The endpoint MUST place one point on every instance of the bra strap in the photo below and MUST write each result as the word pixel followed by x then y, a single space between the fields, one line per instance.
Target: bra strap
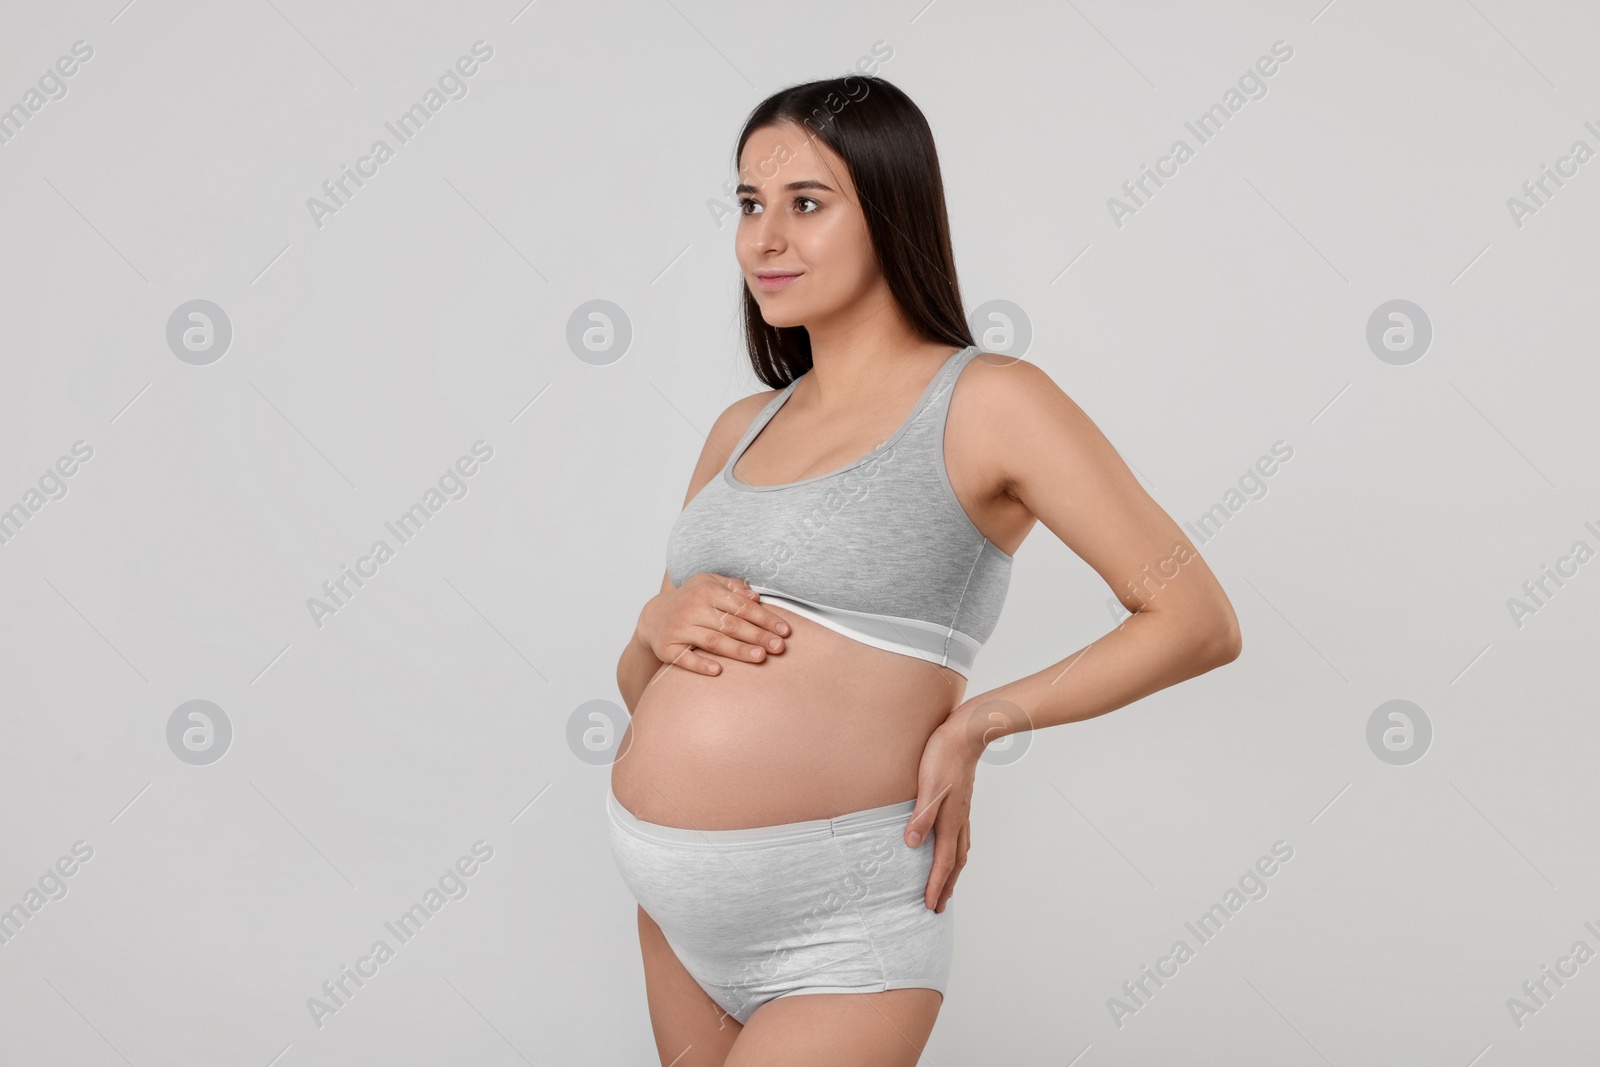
pixel 938 403
pixel 759 423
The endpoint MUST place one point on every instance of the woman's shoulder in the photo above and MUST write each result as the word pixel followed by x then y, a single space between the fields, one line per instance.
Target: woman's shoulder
pixel 723 438
pixel 1005 407
pixel 738 416
pixel 999 383
pixel 729 427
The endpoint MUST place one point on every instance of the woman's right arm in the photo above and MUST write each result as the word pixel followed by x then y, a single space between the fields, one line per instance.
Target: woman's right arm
pixel 638 664
pixel 707 616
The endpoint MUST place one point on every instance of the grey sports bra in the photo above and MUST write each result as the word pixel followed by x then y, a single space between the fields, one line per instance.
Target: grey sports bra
pixel 879 550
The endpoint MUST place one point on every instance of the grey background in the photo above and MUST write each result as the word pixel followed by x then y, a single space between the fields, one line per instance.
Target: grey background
pixel 432 711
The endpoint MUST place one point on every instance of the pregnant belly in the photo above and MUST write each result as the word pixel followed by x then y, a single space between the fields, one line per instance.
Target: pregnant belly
pixel 828 726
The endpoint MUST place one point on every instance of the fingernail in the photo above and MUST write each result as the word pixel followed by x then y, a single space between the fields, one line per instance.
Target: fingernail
pixel 774 643
pixel 915 839
pixel 783 628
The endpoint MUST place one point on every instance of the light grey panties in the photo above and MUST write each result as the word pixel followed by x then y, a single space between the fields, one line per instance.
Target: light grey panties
pixel 821 906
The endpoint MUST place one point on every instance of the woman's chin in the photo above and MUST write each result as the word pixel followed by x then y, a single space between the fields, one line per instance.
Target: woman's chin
pixel 780 313
pixel 782 322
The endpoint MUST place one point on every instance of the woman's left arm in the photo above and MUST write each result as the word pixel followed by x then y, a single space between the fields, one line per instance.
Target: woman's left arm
pixel 1052 458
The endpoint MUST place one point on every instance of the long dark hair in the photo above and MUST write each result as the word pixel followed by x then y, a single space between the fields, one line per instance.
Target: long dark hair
pixel 885 141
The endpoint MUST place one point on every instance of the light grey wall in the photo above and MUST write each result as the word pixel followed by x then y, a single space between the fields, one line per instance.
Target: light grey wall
pixel 365 753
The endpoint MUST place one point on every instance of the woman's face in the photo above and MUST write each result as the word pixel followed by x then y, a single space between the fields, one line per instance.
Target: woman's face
pixel 801 221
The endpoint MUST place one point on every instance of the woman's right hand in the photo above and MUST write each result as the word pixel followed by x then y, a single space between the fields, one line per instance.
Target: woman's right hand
pixel 710 613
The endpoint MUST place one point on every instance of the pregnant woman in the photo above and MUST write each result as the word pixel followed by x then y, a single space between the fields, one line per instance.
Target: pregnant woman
pixel 790 802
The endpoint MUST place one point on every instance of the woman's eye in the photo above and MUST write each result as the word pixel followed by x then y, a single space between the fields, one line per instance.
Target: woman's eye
pixel 748 206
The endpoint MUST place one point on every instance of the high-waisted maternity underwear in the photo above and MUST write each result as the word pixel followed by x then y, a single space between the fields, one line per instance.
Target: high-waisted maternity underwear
pixel 820 906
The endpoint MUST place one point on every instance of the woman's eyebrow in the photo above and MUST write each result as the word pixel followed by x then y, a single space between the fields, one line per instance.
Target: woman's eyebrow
pixel 807 183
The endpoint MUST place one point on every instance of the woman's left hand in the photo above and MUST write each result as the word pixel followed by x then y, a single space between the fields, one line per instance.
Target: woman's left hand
pixel 944 802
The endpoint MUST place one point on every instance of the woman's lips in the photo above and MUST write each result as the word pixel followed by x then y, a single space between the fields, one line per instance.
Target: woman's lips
pixel 773 282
